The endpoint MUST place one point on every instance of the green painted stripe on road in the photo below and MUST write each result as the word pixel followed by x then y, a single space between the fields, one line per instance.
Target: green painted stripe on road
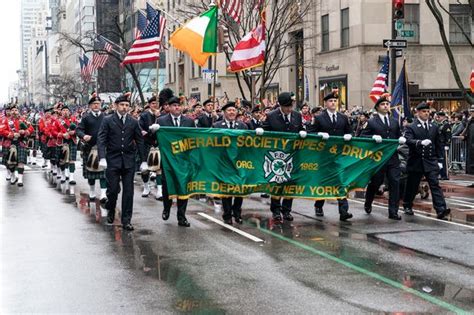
pixel 369 273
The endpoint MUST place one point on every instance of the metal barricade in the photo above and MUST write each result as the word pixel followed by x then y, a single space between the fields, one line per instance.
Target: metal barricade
pixel 457 154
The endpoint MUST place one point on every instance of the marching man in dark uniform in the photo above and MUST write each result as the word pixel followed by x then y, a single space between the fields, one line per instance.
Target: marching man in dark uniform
pixel 88 131
pixel 176 119
pixel 209 116
pixel 147 118
pixel 382 126
pixel 119 139
pixel 445 135
pixel 255 121
pixel 424 158
pixel 330 122
pixel 232 208
pixel 283 119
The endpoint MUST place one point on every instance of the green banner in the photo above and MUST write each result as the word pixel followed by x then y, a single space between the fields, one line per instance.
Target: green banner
pixel 224 162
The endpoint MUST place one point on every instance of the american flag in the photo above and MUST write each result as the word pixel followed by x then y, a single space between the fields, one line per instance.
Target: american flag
pixel 141 24
pixel 86 68
pixel 102 45
pixel 380 85
pixel 472 81
pixel 147 47
pixel 233 8
pixel 150 12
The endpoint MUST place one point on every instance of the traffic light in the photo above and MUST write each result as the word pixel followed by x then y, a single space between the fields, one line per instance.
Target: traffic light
pixel 223 38
pixel 398 9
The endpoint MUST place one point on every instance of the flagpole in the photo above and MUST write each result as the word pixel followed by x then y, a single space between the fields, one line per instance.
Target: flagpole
pixel 214 57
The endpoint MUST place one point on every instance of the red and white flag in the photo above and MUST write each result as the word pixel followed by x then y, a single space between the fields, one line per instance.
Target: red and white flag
pixel 250 51
pixel 472 81
pixel 233 8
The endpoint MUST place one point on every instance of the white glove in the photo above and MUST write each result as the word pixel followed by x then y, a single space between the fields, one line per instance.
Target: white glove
pixel 377 138
pixel 303 134
pixel 446 148
pixel 103 163
pixel 259 131
pixel 144 166
pixel 425 142
pixel 402 140
pixel 325 135
pixel 347 137
pixel 154 127
pixel 440 165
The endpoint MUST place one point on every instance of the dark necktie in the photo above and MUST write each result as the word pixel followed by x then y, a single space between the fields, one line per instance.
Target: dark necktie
pixel 285 117
pixel 333 119
pixel 231 125
pixel 426 126
pixel 176 124
pixel 385 119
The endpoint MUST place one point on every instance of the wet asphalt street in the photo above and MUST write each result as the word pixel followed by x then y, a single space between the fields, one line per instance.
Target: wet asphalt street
pixel 58 256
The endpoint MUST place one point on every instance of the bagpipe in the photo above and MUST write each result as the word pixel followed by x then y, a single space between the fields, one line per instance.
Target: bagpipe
pixel 12 155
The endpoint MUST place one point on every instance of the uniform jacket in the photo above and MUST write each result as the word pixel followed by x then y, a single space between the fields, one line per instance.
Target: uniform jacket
pixel 90 125
pixel 204 121
pixel 145 120
pixel 376 126
pixel 252 124
pixel 445 133
pixel 323 123
pixel 63 125
pixel 223 124
pixel 167 121
pixel 423 158
pixel 119 142
pixel 276 122
pixel 11 126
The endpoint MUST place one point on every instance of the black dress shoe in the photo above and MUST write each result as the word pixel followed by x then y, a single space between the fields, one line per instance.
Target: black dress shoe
pixel 91 198
pixel 277 218
pixel 345 216
pixel 441 215
pixel 166 214
pixel 103 200
pixel 394 217
pixel 287 216
pixel 110 217
pixel 20 184
pixel 184 223
pixel 228 221
pixel 72 182
pixel 368 209
pixel 128 227
pixel 408 211
pixel 238 220
pixel 319 212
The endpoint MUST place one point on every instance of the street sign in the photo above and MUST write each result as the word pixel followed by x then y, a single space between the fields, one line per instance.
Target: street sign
pixel 395 43
pixel 398 53
pixel 208 75
pixel 399 25
pixel 407 33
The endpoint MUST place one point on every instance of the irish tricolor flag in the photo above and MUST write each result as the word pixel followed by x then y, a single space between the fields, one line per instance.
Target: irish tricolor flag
pixel 198 37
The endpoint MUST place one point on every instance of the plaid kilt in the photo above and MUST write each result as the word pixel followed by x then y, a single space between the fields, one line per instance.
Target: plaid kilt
pixel 86 173
pixel 72 152
pixel 50 153
pixel 22 154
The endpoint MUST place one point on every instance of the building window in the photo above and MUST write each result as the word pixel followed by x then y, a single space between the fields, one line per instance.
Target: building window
pixel 345 27
pixel 411 25
pixel 174 71
pixel 325 32
pixel 193 74
pixel 460 13
pixel 169 73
